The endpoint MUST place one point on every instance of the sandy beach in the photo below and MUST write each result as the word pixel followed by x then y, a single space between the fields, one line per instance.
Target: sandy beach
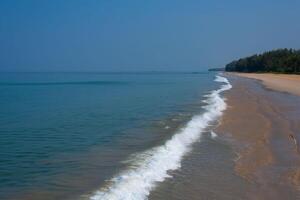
pixel 263 126
pixel 281 82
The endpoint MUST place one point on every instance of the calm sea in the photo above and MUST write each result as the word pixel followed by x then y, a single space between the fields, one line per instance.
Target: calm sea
pixel 99 135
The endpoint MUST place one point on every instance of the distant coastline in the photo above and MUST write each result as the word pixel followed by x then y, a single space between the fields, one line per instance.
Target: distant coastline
pixel 275 61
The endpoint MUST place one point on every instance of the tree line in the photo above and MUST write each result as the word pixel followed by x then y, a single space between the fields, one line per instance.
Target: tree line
pixel 278 61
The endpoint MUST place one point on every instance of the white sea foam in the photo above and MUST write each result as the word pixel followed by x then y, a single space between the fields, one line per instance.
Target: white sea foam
pixel 152 166
pixel 213 134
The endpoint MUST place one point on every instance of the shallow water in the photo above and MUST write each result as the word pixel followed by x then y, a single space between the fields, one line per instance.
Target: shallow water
pixel 206 173
pixel 65 135
pixel 153 166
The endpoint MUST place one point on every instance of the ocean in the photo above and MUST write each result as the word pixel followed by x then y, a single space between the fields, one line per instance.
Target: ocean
pixel 110 135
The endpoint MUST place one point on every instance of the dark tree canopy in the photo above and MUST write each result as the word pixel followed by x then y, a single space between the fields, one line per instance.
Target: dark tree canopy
pixel 279 61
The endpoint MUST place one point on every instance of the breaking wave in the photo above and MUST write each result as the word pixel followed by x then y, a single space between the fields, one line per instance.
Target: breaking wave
pixel 152 166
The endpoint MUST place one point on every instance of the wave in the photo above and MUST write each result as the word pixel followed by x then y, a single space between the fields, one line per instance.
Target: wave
pixel 63 83
pixel 213 134
pixel 152 166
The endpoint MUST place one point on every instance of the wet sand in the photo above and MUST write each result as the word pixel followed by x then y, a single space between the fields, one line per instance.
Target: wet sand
pixel 263 127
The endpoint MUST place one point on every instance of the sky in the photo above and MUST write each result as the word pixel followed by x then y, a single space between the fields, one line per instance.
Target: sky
pixel 141 35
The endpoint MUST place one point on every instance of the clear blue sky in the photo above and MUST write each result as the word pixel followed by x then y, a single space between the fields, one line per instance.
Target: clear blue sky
pixel 141 35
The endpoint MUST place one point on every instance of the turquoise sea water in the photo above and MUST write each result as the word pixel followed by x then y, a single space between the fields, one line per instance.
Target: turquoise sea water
pixel 63 135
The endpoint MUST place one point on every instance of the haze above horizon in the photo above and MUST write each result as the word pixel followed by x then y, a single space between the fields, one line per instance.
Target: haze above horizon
pixel 115 35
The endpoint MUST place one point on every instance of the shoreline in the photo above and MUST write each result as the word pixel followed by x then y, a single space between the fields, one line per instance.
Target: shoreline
pixel 154 165
pixel 261 125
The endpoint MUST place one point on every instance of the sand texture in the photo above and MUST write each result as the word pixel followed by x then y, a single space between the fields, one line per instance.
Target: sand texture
pixel 281 82
pixel 263 126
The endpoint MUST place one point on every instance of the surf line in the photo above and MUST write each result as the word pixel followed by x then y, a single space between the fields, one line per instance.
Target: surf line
pixel 152 166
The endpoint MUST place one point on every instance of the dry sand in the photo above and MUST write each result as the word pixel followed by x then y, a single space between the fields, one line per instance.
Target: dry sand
pixel 280 82
pixel 263 126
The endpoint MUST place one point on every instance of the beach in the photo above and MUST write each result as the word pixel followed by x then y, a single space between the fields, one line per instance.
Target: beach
pixel 149 100
pixel 280 82
pixel 177 136
pixel 262 124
